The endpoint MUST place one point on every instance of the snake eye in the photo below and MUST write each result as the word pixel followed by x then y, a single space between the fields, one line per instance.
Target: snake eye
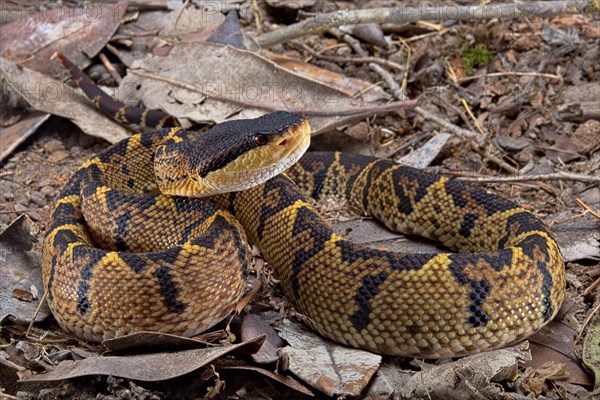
pixel 261 140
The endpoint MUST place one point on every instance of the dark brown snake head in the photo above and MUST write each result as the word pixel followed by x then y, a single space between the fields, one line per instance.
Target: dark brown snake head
pixel 232 156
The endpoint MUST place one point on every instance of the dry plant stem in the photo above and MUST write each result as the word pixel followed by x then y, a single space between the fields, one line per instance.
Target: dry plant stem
pixel 355 112
pixel 555 176
pixel 357 60
pixel 587 321
pixel 386 76
pixel 509 73
pixel 110 68
pixel 593 286
pixel 496 160
pixel 588 208
pixel 35 314
pixel 181 11
pixel 458 131
pixel 409 13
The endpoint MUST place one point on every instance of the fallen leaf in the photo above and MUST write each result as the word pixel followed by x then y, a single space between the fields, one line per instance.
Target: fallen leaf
pixel 143 367
pixel 12 136
pixel 230 83
pixel 228 364
pixel 328 367
pixel 474 376
pixel 253 326
pixel 534 379
pixel 77 32
pixel 56 98
pixel 350 86
pixel 20 271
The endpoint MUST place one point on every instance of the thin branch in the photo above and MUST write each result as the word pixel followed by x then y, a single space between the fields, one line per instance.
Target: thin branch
pixel 509 73
pixel 458 131
pixel 413 13
pixel 355 60
pixel 555 176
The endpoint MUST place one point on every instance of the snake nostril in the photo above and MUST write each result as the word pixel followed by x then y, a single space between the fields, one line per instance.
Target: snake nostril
pixel 283 142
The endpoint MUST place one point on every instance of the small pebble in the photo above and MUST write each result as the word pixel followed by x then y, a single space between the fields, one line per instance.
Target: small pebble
pixel 37 198
pixel 58 155
pixel 47 191
pixel 54 145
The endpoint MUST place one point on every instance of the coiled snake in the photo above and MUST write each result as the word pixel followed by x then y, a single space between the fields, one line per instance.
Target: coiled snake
pixel 119 256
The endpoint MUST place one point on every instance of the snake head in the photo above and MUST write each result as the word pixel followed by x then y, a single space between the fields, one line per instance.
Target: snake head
pixel 232 156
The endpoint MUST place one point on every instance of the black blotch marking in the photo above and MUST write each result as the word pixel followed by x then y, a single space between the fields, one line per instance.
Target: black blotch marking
pixel 169 290
pixel 524 222
pixel 130 183
pixel 480 291
pixel 125 169
pixel 374 172
pixel 532 247
pixel 412 177
pixel 63 238
pixel 468 224
pixel 134 261
pixel 317 164
pixel 351 253
pixel 83 304
pixel 119 149
pixel 369 289
pixel 457 191
pixel 306 220
pixel 158 118
pixel 92 181
pixel 73 186
pixel 65 214
pixel 92 257
pixel 209 240
pixel 492 203
pixel 288 194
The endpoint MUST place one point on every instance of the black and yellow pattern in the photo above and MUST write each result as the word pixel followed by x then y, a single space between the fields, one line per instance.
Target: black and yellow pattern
pixel 178 265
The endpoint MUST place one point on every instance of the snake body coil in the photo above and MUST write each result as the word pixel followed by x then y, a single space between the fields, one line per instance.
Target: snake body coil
pixel 178 265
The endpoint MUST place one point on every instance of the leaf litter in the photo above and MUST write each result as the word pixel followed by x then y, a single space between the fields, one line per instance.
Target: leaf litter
pixel 514 115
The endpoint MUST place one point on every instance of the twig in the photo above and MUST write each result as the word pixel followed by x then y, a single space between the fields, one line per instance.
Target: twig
pixel 410 13
pixel 588 208
pixel 586 321
pixel 508 73
pixel 110 68
pixel 458 131
pixel 355 112
pixel 593 286
pixel 183 7
pixel 555 176
pixel 355 60
pixel 35 314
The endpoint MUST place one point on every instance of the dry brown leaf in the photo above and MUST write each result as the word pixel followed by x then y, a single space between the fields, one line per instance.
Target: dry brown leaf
pixel 20 271
pixel 288 381
pixel 144 367
pixel 534 379
pixel 327 366
pixel 56 98
pixel 79 33
pixel 12 136
pixel 351 86
pixel 253 326
pixel 251 84
pixel 473 376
